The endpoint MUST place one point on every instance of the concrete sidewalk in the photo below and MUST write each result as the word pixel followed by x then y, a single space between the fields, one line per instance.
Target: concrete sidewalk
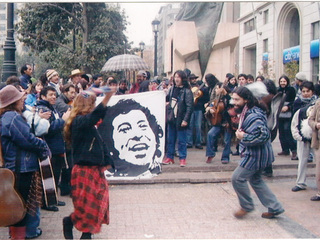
pixel 198 171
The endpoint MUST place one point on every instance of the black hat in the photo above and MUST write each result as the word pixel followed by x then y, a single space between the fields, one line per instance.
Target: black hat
pixel 192 76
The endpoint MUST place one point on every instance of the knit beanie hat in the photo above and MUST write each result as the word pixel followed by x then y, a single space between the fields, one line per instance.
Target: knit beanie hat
pixel 50 73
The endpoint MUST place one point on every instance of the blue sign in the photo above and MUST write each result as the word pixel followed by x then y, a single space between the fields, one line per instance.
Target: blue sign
pixel 265 56
pixel 314 49
pixel 291 54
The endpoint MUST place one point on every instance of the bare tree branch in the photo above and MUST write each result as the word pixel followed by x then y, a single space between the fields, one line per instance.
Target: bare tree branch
pixel 64 10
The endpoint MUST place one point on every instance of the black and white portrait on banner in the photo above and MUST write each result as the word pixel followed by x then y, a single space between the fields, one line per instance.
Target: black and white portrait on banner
pixel 133 130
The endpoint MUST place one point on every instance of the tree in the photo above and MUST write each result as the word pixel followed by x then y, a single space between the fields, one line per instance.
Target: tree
pixel 73 35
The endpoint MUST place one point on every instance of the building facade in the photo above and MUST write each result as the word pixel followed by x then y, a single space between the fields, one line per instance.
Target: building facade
pixel 258 38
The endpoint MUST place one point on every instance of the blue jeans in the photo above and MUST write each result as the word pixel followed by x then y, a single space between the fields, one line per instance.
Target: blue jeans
pixel 240 178
pixel 195 127
pixel 212 139
pixel 32 224
pixel 173 135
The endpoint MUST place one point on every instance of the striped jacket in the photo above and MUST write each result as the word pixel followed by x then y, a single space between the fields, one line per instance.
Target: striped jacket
pixel 255 147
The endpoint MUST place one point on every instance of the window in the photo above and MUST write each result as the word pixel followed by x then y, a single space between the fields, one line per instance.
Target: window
pixel 266 16
pixel 2 17
pixel 315 30
pixel 250 25
pixel 315 70
pixel 2 27
pixel 265 45
pixel 2 6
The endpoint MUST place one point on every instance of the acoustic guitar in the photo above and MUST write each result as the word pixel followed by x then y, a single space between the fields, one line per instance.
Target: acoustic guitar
pixel 215 118
pixel 48 183
pixel 12 206
pixel 197 93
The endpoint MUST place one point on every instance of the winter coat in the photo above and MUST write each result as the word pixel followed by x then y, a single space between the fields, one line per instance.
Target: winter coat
pixel 88 148
pixel 15 134
pixel 62 104
pixel 313 120
pixel 25 80
pixel 184 106
pixel 255 147
pixel 54 137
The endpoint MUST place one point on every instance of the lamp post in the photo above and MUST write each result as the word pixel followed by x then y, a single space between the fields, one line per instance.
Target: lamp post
pixel 141 44
pixel 155 28
pixel 9 48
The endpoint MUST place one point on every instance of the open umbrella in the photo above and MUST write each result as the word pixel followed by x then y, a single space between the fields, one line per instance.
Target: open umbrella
pixel 124 62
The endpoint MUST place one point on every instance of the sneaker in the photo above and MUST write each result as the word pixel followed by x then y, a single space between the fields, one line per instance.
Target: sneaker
pixel 60 203
pixel 224 161
pixel 168 161
pixel 209 160
pixel 183 163
pixel 270 215
pixel 240 213
pixel 297 189
pixel 294 156
pixel 189 146
pixel 199 147
pixel 315 198
pixel 284 153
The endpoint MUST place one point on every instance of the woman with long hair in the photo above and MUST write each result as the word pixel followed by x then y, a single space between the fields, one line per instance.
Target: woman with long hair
pixel 286 140
pixel 181 99
pixel 21 151
pixel 90 194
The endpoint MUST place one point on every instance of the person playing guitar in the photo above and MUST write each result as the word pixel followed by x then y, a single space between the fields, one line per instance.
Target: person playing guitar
pixel 200 97
pixel 217 114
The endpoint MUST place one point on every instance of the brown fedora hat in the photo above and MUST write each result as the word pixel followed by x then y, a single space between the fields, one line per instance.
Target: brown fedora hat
pixel 76 72
pixel 8 95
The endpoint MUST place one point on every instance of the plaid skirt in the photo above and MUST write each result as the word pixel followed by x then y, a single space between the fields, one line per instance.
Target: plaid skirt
pixel 90 196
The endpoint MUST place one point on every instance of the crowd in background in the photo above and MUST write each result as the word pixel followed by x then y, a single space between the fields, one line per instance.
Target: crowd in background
pixel 203 115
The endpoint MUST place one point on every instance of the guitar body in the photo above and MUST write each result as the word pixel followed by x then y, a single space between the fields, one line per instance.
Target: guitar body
pixel 215 118
pixel 197 93
pixel 12 207
pixel 49 186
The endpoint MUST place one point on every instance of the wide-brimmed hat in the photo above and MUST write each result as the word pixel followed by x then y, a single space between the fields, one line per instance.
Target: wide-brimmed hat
pixel 9 94
pixel 76 72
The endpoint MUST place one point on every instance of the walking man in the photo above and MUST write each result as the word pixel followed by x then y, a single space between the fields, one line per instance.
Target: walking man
pixel 256 154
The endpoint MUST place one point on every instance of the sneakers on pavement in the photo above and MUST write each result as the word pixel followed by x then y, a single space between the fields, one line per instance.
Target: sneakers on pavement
pixel 297 189
pixel 183 162
pixel 315 198
pixel 168 161
pixel 209 160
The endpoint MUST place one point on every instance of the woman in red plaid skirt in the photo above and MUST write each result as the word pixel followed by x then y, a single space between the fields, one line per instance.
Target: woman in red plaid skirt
pixel 90 194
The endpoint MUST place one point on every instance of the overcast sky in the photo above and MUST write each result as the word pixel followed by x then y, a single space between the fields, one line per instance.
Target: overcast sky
pixel 140 15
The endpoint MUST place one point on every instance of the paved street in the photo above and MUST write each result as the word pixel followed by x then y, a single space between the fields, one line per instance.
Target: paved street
pixel 194 211
pixel 197 211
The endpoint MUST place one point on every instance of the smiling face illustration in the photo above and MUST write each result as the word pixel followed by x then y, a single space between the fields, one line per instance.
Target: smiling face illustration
pixel 134 138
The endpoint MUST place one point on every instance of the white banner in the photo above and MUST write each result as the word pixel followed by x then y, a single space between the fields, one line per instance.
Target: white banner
pixel 134 132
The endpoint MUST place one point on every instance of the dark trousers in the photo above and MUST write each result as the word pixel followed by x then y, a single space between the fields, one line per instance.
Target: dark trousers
pixel 286 140
pixel 57 162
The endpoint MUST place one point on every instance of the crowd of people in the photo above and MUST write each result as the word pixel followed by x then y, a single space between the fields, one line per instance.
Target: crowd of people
pixel 56 118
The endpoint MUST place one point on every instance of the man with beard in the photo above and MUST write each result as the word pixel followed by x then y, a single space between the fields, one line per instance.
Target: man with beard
pixel 256 154
pixel 141 77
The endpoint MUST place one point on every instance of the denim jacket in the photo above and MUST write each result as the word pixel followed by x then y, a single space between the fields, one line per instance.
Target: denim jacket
pixel 15 134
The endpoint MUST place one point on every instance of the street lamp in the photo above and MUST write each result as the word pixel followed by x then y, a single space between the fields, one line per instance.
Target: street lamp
pixel 155 28
pixel 141 44
pixel 9 48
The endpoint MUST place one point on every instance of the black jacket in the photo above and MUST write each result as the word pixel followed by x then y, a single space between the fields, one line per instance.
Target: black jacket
pixel 54 137
pixel 185 106
pixel 88 148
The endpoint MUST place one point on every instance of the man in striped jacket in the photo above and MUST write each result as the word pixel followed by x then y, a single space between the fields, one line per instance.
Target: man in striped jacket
pixel 256 154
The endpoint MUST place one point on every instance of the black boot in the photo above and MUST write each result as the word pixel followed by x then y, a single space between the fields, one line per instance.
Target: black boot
pixel 86 235
pixel 67 228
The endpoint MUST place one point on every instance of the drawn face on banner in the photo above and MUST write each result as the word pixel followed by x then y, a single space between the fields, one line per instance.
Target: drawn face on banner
pixel 133 137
